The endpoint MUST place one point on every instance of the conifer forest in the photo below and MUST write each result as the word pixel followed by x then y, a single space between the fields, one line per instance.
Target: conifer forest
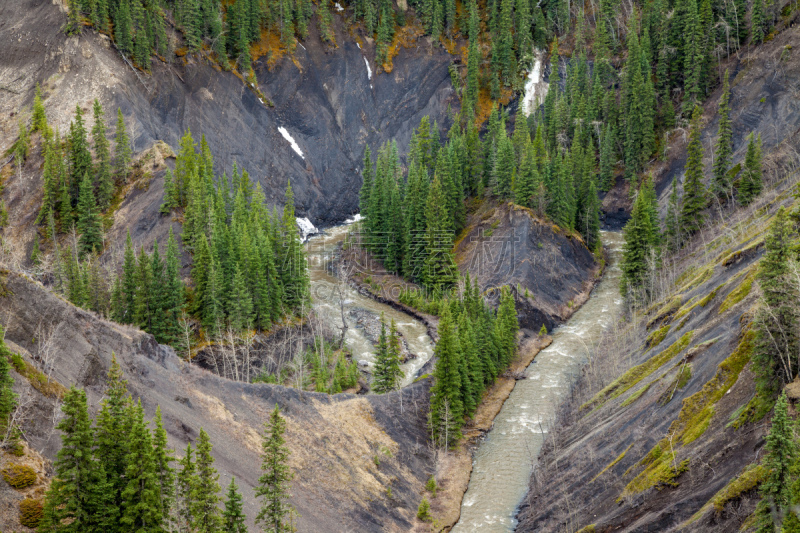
pixel 399 265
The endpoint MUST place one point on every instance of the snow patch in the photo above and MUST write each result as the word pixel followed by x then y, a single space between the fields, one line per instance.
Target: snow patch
pixel 369 70
pixel 353 219
pixel 359 46
pixel 306 228
pixel 338 6
pixel 535 88
pixel 291 140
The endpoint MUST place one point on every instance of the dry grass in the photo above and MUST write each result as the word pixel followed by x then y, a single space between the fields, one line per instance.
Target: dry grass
pixel 405 37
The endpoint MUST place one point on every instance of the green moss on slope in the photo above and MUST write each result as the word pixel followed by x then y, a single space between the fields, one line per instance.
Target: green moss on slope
pixel 639 372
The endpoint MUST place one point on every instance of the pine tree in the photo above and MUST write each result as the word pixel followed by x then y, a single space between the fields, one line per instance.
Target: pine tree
pixel 722 153
pixel 233 518
pixel 694 195
pixel 757 21
pixel 294 275
pixel 8 399
pixel 240 305
pixel 105 182
pixel 205 514
pixel 184 490
pixel 111 451
pixel 636 253
pixel 387 374
pixel 504 166
pixel 165 474
pixel 750 184
pixel 90 224
pixel 273 485
pixel 122 147
pixel 79 494
pixel 79 157
pixel 779 463
pixel 39 116
pixel 777 342
pixel 446 401
pixel 123 28
pixel 440 268
pixel 141 509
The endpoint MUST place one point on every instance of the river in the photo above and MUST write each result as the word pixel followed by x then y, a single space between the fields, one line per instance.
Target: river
pixel 503 462
pixel 328 293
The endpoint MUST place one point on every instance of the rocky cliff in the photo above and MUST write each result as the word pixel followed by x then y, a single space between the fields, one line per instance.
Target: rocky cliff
pixel 329 99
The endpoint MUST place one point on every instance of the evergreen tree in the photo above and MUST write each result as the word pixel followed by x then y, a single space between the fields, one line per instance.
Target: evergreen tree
pixel 165 474
pixel 79 157
pixel 123 28
pixel 186 480
pixel 105 182
pixel 777 321
pixel 721 182
pixel 122 147
pixel 79 493
pixel 694 195
pixel 779 463
pixel 141 509
pixel 39 116
pixel 440 268
pixel 112 421
pixel 273 485
pixel 204 512
pixel 387 374
pixel 750 184
pixel 90 224
pixel 446 401
pixel 233 518
pixel 636 253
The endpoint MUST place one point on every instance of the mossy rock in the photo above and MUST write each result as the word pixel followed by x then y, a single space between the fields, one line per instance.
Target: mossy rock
pixel 19 476
pixel 739 293
pixel 747 481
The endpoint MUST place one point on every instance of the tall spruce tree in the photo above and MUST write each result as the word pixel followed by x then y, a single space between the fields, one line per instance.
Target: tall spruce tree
pixel 90 225
pixel 273 485
pixel 79 494
pixel 779 464
pixel 721 185
pixel 205 513
pixel 694 194
pixel 446 402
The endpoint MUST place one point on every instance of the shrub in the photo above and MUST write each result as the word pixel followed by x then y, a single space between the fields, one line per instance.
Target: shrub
pixel 424 510
pixel 431 486
pixel 30 512
pixel 19 476
pixel 543 331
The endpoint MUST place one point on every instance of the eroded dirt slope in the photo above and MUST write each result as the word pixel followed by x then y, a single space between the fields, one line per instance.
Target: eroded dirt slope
pixel 335 440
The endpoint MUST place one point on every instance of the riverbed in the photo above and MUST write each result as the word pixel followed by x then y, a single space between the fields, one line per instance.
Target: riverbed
pixel 504 460
pixel 333 297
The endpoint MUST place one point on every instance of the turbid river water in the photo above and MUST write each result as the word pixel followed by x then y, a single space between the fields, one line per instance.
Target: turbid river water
pixel 329 293
pixel 503 462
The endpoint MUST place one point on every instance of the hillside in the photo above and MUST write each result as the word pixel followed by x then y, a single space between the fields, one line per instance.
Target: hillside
pixel 323 97
pixel 334 440
pixel 656 436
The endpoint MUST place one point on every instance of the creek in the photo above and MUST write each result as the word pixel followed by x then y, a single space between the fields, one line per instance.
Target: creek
pixel 504 460
pixel 332 298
